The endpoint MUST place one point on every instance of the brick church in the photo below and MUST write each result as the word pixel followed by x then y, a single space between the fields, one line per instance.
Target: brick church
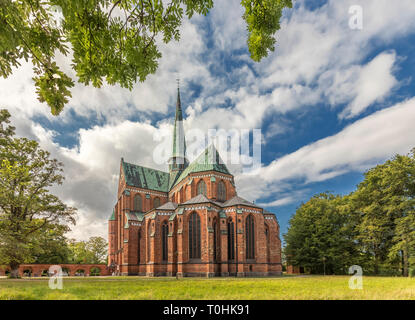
pixel 189 221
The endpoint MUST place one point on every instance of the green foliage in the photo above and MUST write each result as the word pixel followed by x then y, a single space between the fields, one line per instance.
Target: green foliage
pixel 53 247
pixel 386 199
pixel 110 40
pixel 412 272
pixel 319 236
pixel 263 21
pixel 29 213
pixel 92 251
pixel 98 247
pixel 378 223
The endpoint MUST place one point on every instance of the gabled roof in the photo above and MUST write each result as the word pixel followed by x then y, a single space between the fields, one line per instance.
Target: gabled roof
pixel 208 160
pixel 173 178
pixel 200 198
pixel 134 216
pixel 168 206
pixel 239 201
pixel 145 178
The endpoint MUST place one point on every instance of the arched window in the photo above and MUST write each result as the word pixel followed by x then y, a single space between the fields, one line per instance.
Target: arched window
pixel 201 188
pixel 221 191
pixel 156 202
pixel 164 243
pixel 215 236
pixel 149 242
pixel 268 244
pixel 138 203
pixel 249 236
pixel 194 236
pixel 188 193
pixel 138 247
pixel 231 240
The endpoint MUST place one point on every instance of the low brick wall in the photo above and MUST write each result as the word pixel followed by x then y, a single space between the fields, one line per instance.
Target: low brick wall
pixel 36 270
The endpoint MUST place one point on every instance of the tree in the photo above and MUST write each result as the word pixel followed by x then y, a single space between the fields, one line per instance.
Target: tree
pixel 79 252
pixel 400 203
pixel 27 209
pixel 319 236
pixel 386 199
pixel 373 226
pixel 92 251
pixel 111 40
pixel 98 247
pixel 53 247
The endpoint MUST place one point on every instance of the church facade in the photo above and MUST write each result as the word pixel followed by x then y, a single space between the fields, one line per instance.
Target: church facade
pixel 189 221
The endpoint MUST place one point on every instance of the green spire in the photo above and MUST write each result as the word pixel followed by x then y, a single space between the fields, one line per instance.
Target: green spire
pixel 112 218
pixel 179 141
pixel 178 161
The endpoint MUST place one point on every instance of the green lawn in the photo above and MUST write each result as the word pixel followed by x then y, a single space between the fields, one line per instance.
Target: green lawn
pixel 309 287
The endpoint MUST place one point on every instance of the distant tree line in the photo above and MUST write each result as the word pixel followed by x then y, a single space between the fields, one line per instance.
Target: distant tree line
pixel 57 249
pixel 373 227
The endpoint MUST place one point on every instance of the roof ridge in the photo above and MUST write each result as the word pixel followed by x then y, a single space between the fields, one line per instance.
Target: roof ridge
pixel 166 206
pixel 242 201
pixel 144 177
pixel 145 167
pixel 198 161
pixel 204 198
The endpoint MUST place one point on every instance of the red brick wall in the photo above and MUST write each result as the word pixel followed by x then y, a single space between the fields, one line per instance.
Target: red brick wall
pixel 36 269
pixel 267 249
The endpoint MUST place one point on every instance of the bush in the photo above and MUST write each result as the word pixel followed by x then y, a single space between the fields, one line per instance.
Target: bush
pixel 412 272
pixel 389 272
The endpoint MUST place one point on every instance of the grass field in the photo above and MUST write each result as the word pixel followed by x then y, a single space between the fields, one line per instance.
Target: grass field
pixel 308 287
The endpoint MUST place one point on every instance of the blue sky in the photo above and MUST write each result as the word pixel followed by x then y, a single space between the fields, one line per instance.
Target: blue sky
pixel 331 102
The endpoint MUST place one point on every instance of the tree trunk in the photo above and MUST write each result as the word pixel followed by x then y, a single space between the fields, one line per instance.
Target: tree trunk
pixel 376 264
pixel 14 267
pixel 405 261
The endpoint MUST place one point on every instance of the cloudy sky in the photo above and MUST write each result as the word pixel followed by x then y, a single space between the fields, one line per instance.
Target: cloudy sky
pixel 331 102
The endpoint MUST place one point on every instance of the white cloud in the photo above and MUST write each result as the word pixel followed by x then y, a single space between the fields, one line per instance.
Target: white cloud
pixel 359 146
pixel 113 102
pixel 374 82
pixel 280 202
pixel 91 169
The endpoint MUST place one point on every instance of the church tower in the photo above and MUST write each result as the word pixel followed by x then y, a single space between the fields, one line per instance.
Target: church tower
pixel 178 161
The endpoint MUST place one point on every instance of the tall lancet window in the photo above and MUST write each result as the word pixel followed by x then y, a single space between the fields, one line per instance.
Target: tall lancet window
pixel 156 202
pixel 249 236
pixel 149 242
pixel 138 247
pixel 215 242
pixel 194 236
pixel 231 240
pixel 138 206
pixel 221 191
pixel 164 239
pixel 201 188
